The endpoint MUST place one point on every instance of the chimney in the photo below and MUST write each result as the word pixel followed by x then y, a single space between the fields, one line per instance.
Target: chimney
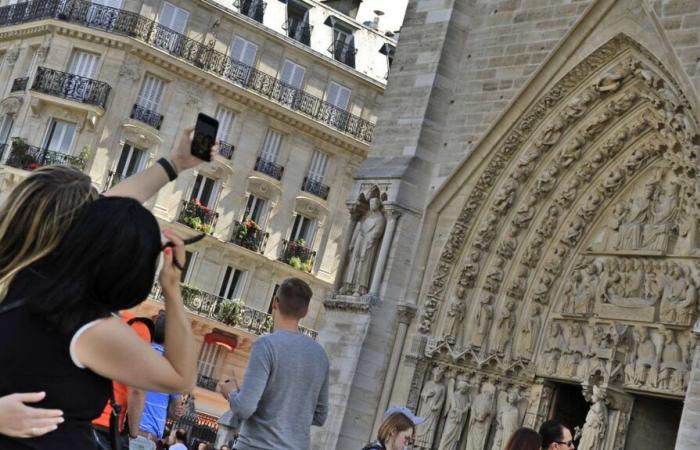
pixel 375 22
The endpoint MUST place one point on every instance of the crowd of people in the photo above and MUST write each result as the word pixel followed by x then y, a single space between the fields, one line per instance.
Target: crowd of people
pixel 72 261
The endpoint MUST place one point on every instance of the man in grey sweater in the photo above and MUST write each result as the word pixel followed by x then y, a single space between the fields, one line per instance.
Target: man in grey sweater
pixel 285 389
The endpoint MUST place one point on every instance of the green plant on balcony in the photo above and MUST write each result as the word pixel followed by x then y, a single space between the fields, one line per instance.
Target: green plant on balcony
pixel 248 233
pixel 196 216
pixel 297 255
pixel 231 312
pixel 190 297
pixel 267 325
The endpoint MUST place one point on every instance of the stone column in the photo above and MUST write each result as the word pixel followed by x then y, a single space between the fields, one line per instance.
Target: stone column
pixel 388 238
pixel 406 314
pixel 689 430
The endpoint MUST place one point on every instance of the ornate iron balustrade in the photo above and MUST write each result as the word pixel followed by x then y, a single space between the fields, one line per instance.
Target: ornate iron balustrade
pixel 298 30
pixel 343 52
pixel 19 84
pixel 150 118
pixel 28 157
pixel 71 87
pixel 315 187
pixel 226 149
pixel 249 235
pixel 297 255
pixel 198 426
pixel 313 334
pixel 206 382
pixel 197 216
pixel 269 168
pixel 255 9
pixel 203 56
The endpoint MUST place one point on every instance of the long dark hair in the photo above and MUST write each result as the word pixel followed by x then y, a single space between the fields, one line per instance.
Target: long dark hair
pixel 106 262
pixel 524 439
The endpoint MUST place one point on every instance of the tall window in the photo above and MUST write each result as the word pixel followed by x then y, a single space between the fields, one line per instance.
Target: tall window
pixel 292 74
pixel 190 257
pixel 303 228
pixel 319 164
pixel 243 50
pixel 60 136
pixel 298 22
pixel 338 95
pixel 255 9
pixel 5 128
pixel 274 292
pixel 256 208
pixel 130 161
pixel 271 146
pixel 83 64
pixel 343 46
pixel 225 117
pixel 151 93
pixel 208 359
pixel 232 283
pixel 205 190
pixel 173 17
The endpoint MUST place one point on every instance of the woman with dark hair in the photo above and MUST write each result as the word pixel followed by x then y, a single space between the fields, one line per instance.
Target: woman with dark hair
pixel 524 439
pixel 62 308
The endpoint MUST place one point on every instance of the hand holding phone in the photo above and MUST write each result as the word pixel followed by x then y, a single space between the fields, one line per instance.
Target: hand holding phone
pixel 204 137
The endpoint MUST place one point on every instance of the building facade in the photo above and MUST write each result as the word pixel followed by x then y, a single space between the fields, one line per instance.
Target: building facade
pixel 536 166
pixel 107 86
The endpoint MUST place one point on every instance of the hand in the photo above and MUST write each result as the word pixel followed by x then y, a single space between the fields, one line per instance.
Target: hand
pixel 173 260
pixel 182 156
pixel 20 420
pixel 228 386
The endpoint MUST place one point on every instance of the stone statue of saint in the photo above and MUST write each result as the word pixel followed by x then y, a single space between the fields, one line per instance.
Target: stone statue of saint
pixel 530 332
pixel 431 400
pixel 553 348
pixel 673 367
pixel 507 420
pixel 504 327
pixel 630 232
pixel 574 351
pixel 363 246
pixel 673 294
pixel 593 433
pixel 455 315
pixel 643 368
pixel 456 414
pixel 480 421
pixel 484 317
pixel 664 214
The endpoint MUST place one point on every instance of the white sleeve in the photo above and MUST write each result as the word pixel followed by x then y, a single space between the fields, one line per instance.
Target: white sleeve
pixel 74 339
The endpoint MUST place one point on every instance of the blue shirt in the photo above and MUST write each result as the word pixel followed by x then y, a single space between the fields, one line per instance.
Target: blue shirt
pixel 155 410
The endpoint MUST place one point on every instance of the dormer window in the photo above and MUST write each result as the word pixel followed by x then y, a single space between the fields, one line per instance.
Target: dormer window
pixel 297 24
pixel 255 9
pixel 343 46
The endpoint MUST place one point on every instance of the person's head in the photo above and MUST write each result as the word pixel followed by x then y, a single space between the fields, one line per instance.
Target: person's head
pixel 37 214
pixel 524 439
pixel 292 299
pixel 106 262
pixel 398 428
pixel 224 447
pixel 180 435
pixel 159 329
pixel 556 436
pixel 204 446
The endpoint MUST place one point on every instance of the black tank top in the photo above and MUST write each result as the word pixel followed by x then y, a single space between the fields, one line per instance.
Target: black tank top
pixel 33 359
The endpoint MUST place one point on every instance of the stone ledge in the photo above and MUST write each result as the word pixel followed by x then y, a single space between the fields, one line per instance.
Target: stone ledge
pixel 356 303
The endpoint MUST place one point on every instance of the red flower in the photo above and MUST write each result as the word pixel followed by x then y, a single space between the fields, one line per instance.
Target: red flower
pixel 34 165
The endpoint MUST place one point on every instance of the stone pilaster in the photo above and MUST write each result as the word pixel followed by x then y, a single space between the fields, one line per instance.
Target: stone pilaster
pixel 689 430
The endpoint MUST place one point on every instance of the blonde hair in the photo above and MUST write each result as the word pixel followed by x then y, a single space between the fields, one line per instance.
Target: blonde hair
pixel 394 423
pixel 37 214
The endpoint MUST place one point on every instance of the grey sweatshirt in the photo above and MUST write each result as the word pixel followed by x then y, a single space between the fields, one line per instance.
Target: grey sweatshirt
pixel 284 392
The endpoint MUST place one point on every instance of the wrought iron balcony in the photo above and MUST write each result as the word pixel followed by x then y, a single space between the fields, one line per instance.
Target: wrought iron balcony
pixel 298 30
pixel 269 168
pixel 249 235
pixel 150 118
pixel 343 52
pixel 19 84
pixel 71 87
pixel 197 216
pixel 226 149
pixel 28 157
pixel 203 56
pixel 255 9
pixel 206 382
pixel 315 187
pixel 297 255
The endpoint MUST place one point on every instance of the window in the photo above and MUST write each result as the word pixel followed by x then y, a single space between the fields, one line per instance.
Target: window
pixel 338 95
pixel 208 359
pixel 256 209
pixel 298 22
pixel 83 64
pixel 5 128
pixel 319 164
pixel 343 47
pixel 187 267
pixel 151 93
pixel 255 9
pixel 225 117
pixel 205 190
pixel 173 17
pixel 271 146
pixel 130 161
pixel 232 283
pixel 243 51
pixel 60 136
pixel 292 74
pixel 303 228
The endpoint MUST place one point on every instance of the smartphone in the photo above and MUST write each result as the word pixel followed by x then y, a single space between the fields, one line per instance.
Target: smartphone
pixel 204 136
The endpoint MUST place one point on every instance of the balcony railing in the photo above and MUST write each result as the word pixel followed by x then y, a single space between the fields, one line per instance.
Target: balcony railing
pixel 297 255
pixel 343 52
pixel 226 149
pixel 71 87
pixel 206 382
pixel 298 30
pixel 249 235
pixel 269 168
pixel 203 56
pixel 255 9
pixel 150 118
pixel 197 216
pixel 19 84
pixel 315 187
pixel 28 157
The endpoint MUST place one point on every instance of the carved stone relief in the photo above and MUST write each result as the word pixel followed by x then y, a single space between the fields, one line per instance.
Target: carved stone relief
pixel 432 398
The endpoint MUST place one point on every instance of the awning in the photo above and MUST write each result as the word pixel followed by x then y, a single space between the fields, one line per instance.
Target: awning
pixel 227 341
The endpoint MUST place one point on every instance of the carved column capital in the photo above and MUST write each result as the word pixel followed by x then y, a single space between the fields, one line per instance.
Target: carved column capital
pixel 406 312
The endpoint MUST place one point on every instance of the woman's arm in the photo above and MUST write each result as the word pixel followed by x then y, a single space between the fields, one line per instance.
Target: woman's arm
pixel 111 349
pixel 148 182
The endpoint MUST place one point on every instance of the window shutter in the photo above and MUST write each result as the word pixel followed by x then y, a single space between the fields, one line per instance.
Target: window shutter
pixel 243 51
pixel 83 64
pixel 317 169
pixel 225 118
pixel 271 146
pixel 292 74
pixel 151 93
pixel 338 95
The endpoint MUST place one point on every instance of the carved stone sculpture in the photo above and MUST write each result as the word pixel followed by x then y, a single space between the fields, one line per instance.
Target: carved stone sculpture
pixel 673 368
pixel 553 348
pixel 679 298
pixel 630 231
pixel 663 218
pixel 495 276
pixel 504 327
pixel 471 269
pixel 480 420
pixel 507 420
pixel 642 368
pixel 483 319
pixel 594 429
pixel 365 241
pixel 530 332
pixel 455 315
pixel 456 414
pixel 432 399
pixel 573 352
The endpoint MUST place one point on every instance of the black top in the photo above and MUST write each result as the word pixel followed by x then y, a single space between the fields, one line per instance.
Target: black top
pixel 34 359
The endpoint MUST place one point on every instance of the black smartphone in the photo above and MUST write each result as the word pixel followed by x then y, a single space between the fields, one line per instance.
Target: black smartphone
pixel 204 136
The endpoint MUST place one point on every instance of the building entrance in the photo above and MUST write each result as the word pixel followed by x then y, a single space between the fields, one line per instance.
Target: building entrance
pixel 653 424
pixel 569 406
